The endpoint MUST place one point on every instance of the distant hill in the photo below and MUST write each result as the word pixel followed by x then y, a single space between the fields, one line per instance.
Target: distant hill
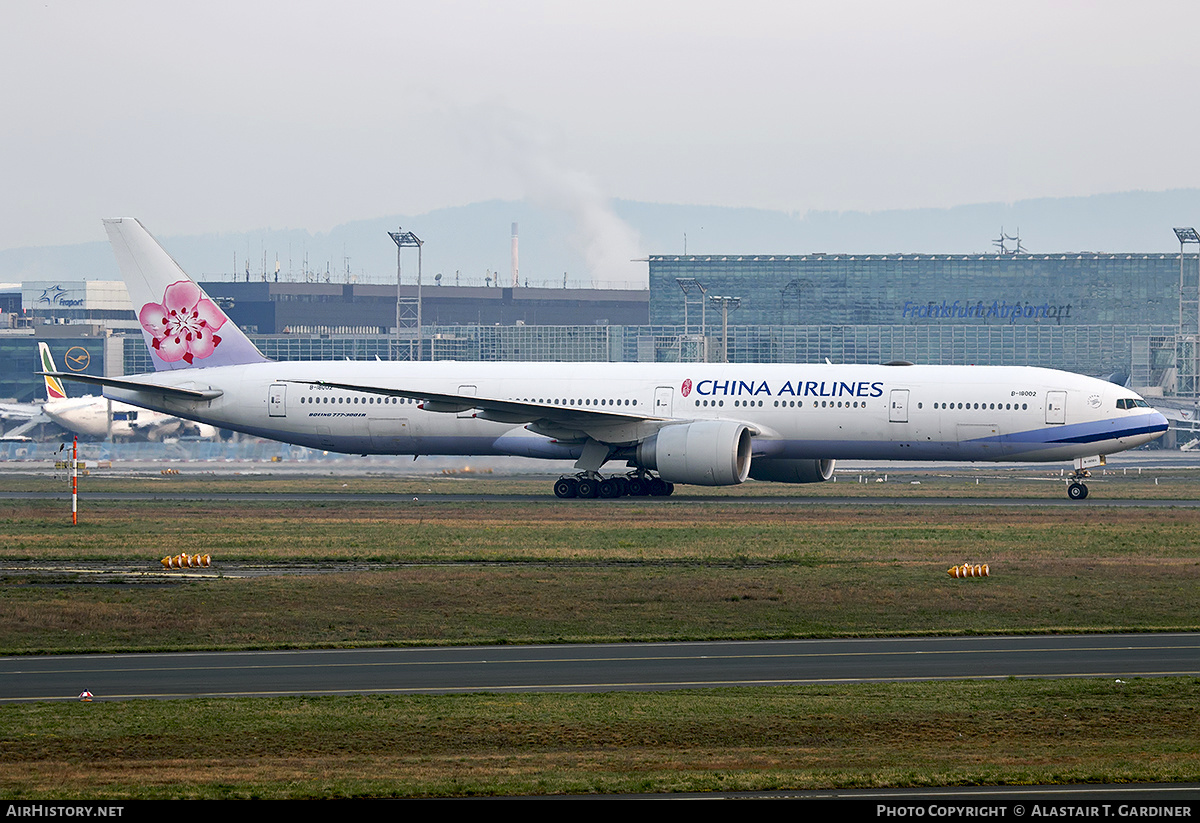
pixel 473 242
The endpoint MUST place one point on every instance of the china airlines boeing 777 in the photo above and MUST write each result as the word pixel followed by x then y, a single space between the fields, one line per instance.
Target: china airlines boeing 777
pixel 701 423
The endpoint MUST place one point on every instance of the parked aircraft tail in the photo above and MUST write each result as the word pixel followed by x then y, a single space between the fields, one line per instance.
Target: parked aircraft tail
pixel 54 387
pixel 182 326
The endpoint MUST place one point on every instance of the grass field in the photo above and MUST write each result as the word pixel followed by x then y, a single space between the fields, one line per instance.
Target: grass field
pixel 543 571
pixel 916 734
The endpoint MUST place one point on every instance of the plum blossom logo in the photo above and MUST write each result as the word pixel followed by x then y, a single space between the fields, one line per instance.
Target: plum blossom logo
pixel 184 325
pixel 686 388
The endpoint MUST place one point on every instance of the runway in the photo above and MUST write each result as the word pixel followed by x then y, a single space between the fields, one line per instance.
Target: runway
pixel 902 474
pixel 764 499
pixel 593 668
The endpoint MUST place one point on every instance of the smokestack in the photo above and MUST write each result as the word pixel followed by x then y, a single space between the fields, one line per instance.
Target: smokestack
pixel 514 256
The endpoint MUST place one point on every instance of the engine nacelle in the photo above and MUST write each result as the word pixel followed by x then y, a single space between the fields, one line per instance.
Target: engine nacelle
pixel 792 471
pixel 704 453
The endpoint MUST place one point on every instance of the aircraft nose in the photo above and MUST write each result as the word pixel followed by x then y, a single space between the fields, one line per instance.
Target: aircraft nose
pixel 1158 423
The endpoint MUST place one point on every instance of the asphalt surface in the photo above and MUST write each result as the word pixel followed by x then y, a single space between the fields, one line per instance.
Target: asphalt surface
pixel 1095 500
pixel 593 668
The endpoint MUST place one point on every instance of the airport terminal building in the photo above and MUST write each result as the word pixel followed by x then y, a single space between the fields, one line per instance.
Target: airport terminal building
pixel 1091 313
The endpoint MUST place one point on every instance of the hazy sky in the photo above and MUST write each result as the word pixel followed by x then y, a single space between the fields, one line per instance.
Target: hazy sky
pixel 221 116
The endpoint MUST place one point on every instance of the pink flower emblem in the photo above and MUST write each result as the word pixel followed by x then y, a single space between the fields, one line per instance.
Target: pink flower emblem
pixel 686 388
pixel 184 325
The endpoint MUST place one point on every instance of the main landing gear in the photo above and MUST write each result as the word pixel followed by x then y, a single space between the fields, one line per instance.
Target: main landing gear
pixel 590 484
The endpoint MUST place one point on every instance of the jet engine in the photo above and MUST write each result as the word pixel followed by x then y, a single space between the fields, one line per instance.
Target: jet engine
pixel 792 471
pixel 703 453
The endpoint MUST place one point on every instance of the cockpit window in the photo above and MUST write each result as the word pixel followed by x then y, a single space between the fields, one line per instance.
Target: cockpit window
pixel 1132 403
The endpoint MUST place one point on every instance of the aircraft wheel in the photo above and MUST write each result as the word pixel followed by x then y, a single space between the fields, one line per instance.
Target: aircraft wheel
pixel 658 487
pixel 588 487
pixel 1077 491
pixel 610 488
pixel 566 487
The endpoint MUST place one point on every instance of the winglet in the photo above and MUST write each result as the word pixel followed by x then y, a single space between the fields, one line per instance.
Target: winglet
pixel 183 327
pixel 54 387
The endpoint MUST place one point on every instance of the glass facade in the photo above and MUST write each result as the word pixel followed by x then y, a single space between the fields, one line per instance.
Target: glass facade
pixel 1095 350
pixel 1077 311
pixel 19 364
pixel 920 290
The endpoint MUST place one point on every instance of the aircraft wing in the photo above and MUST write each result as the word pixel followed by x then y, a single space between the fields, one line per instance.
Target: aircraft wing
pixel 19 411
pixel 562 423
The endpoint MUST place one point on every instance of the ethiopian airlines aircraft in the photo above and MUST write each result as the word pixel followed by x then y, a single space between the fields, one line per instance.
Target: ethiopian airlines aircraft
pixel 98 417
pixel 707 424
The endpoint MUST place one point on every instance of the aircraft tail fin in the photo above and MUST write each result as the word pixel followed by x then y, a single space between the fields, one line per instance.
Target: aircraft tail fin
pixel 182 326
pixel 54 386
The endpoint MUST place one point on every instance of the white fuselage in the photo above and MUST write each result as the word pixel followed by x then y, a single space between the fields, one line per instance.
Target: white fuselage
pixel 90 417
pixel 795 411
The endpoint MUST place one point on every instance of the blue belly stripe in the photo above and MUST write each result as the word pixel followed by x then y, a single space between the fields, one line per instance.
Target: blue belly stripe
pixel 1091 438
pixel 1081 432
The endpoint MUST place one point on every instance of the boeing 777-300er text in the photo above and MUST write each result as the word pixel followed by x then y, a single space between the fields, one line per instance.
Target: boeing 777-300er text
pixel 711 424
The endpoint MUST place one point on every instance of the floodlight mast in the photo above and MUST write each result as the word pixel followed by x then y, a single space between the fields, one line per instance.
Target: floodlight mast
pixel 687 284
pixel 726 303
pixel 406 239
pixel 1187 345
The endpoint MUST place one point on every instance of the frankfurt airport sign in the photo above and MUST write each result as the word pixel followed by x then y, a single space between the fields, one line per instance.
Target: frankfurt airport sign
pixel 997 311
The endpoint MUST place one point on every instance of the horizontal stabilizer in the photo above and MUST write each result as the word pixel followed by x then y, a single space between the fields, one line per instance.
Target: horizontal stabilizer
pixel 137 386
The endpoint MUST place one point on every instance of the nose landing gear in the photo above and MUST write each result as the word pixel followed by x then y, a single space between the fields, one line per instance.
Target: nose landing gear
pixel 1077 490
pixel 1076 487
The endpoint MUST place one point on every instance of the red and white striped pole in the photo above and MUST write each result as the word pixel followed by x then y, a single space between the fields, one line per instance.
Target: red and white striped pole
pixel 75 482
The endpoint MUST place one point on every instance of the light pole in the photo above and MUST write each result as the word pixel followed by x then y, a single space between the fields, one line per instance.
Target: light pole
pixel 687 284
pixel 406 239
pixel 1186 351
pixel 726 303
